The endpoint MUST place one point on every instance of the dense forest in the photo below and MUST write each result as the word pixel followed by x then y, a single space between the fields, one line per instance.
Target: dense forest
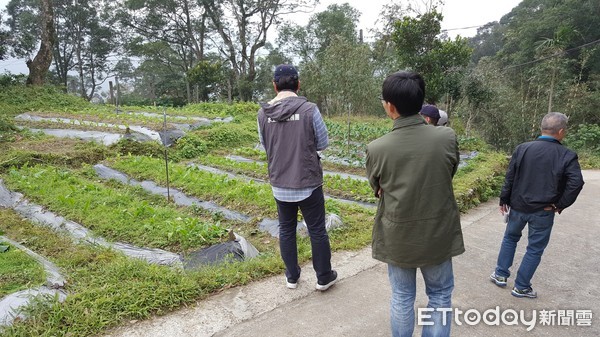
pixel 542 56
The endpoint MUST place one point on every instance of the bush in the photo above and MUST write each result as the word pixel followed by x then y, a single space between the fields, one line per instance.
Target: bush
pixel 585 137
pixel 131 147
pixel 7 80
pixel 241 111
pixel 191 146
pixel 471 143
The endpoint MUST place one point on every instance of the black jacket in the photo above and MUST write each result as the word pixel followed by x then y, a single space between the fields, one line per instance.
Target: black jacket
pixel 541 173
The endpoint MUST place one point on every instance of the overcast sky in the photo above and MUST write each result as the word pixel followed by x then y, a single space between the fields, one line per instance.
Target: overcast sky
pixel 457 14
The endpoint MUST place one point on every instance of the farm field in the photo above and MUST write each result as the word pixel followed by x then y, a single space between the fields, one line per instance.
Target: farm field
pixel 57 203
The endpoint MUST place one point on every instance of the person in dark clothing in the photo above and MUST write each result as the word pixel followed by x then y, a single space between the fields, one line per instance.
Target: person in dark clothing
pixel 431 114
pixel 543 179
pixel 292 131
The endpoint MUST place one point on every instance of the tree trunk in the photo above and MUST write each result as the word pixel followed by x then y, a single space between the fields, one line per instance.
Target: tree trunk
pixel 41 63
pixel 188 90
pixel 551 90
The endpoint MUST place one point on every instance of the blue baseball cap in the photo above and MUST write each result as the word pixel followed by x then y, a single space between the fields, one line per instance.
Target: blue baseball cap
pixel 284 70
pixel 430 111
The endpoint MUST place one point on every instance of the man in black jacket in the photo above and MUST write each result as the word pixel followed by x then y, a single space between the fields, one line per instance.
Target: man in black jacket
pixel 543 179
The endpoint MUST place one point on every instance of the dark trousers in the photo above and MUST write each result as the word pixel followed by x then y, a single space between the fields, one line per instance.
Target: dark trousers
pixel 313 211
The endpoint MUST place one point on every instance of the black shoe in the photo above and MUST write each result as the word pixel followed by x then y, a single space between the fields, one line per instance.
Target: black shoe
pixel 324 285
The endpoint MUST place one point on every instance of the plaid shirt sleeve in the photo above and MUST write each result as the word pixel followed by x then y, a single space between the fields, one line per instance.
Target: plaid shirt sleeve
pixel 321 136
pixel 260 137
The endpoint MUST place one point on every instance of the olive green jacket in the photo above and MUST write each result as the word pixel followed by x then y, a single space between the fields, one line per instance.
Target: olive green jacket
pixel 417 222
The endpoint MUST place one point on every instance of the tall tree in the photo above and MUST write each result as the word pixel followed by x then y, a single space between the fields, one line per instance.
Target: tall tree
pixel 549 57
pixel 242 27
pixel 3 40
pixel 38 67
pixel 84 41
pixel 81 39
pixel 178 25
pixel 311 42
pixel 384 50
pixel 206 76
pixel 420 47
pixel 40 20
pixel 345 82
pixel 535 20
pixel 158 78
pixel 488 41
pixel 337 71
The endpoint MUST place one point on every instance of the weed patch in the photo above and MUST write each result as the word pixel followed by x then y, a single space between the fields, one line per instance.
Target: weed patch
pixel 52 151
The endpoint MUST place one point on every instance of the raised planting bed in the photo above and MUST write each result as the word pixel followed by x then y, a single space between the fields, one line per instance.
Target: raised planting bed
pixel 235 194
pixel 106 288
pixel 258 154
pixel 18 270
pixel 115 212
pixel 13 306
pixel 252 198
pixel 336 184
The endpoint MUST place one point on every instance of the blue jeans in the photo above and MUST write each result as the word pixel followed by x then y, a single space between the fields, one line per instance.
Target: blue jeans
pixel 439 283
pixel 540 226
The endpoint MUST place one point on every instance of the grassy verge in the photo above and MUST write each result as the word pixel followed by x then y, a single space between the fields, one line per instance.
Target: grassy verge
pixel 480 180
pixel 589 160
pixel 118 213
pixel 18 99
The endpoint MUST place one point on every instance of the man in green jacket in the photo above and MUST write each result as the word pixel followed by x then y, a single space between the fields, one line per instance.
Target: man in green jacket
pixel 417 224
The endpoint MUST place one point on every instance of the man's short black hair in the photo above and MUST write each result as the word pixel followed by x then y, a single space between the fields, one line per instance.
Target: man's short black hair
pixel 405 90
pixel 287 83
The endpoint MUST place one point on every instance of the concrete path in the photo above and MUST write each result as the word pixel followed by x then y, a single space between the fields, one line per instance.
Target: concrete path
pixel 566 281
